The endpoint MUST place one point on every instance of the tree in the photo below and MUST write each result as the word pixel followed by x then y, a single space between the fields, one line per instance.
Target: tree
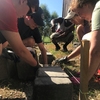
pixel 46 31
pixel 54 15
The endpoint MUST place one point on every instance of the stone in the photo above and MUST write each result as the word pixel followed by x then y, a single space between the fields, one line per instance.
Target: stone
pixel 52 72
pixel 25 71
pixel 50 58
pixel 3 69
pixel 7 68
pixel 52 83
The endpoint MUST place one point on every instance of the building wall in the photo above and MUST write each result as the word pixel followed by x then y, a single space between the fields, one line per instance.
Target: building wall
pixel 66 4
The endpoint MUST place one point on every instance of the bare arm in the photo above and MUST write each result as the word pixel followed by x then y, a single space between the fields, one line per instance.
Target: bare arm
pixel 43 53
pixel 74 53
pixel 17 45
pixel 80 33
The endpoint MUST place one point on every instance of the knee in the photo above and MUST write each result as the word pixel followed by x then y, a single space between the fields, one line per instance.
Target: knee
pixel 95 52
pixel 29 42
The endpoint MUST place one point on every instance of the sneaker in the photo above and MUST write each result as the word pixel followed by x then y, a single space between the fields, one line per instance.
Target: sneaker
pixel 57 48
pixel 64 50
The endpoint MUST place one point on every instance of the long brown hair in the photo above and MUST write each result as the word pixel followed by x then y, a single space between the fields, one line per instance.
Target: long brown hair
pixel 80 3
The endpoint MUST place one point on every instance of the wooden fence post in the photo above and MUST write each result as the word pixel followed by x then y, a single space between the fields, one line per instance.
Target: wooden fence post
pixel 84 70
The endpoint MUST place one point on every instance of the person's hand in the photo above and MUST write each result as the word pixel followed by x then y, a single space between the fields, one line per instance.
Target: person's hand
pixel 62 60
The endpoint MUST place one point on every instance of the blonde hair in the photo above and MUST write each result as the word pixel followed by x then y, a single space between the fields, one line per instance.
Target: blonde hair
pixel 72 5
pixel 79 3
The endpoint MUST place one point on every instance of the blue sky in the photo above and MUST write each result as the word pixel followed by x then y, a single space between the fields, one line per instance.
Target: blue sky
pixel 53 5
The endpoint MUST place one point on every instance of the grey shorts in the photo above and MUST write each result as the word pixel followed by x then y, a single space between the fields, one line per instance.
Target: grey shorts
pixel 64 38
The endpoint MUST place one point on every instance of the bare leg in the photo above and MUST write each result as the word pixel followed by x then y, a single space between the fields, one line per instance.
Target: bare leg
pixel 94 52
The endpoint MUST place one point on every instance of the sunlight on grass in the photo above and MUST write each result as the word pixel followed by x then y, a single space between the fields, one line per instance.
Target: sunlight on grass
pixel 58 54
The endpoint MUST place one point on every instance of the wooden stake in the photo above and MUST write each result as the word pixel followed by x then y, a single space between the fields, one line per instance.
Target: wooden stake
pixel 84 70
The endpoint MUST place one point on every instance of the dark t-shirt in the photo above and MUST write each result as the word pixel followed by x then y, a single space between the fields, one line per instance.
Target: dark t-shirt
pixel 25 31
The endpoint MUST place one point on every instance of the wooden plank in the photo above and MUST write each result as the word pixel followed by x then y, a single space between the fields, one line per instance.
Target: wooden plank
pixel 84 70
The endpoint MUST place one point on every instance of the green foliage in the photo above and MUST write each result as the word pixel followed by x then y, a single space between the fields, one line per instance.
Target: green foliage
pixel 54 15
pixel 46 39
pixel 45 30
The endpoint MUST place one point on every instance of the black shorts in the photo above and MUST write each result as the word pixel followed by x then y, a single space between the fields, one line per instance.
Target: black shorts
pixel 63 38
pixel 2 38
